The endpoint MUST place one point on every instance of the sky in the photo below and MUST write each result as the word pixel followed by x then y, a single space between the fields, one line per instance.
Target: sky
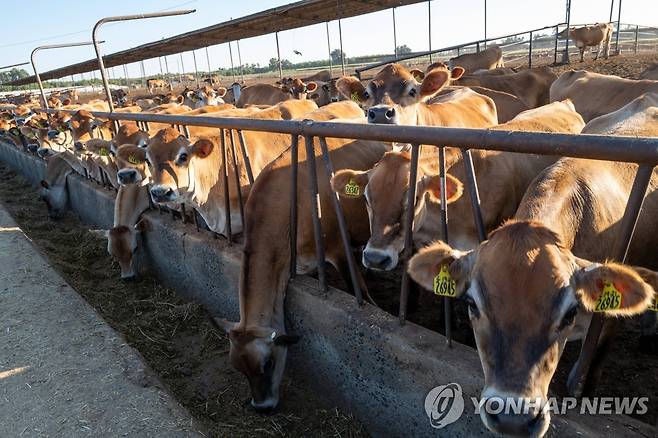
pixel 453 22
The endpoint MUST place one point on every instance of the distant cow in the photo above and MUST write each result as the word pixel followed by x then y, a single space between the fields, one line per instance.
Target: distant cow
pixel 152 84
pixel 212 80
pixel 487 59
pixel 597 35
pixel 266 94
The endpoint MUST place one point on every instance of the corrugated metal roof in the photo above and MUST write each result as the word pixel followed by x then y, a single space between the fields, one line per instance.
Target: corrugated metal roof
pixel 291 16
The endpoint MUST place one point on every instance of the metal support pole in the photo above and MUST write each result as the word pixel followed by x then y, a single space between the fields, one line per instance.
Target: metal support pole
pixel 166 66
pixel 294 165
pixel 182 66
pixel 102 21
pixel 447 303
pixel 227 202
pixel 245 157
pixel 565 55
pixel 485 24
pixel 141 66
pixel 530 52
pixel 161 71
pixel 278 55
pixel 581 369
pixel 612 7
pixel 326 23
pixel 556 42
pixel 342 54
pixel 238 183
pixel 408 232
pixel 196 69
pixel 395 37
pixel 429 27
pixel 237 43
pixel 637 31
pixel 472 186
pixel 208 60
pixel 342 225
pixel 617 51
pixel 52 46
pixel 230 53
pixel 316 213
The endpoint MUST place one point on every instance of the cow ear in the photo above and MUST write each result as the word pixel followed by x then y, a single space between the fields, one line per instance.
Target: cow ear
pixel 351 88
pixel 311 87
pixel 457 72
pixel 417 74
pixel 440 260
pixel 615 289
pixel 433 82
pixel 350 183
pixel 180 99
pixel 432 184
pixel 202 148
pixel 221 91
pixel 44 184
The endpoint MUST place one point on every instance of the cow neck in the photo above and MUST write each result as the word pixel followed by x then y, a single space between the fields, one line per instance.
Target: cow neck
pixel 131 201
pixel 205 174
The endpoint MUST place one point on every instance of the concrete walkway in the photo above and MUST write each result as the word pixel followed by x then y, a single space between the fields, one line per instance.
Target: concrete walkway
pixel 63 371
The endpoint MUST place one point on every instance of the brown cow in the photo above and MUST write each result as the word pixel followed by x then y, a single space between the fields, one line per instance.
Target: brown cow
pixel 508 106
pixel 597 35
pixel 487 59
pixel 531 86
pixel 152 84
pixel 266 94
pixel 502 177
pixel 535 282
pixel 131 201
pixel 129 134
pixel 595 94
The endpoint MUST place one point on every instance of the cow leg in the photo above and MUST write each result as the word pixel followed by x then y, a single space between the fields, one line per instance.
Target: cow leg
pixel 607 49
pixel 582 53
pixel 598 50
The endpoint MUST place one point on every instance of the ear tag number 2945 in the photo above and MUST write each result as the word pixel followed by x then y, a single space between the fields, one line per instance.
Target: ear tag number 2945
pixel 352 189
pixel 610 298
pixel 444 285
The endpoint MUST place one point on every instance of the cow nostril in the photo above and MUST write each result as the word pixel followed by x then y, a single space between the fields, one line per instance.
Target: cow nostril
pixel 390 113
pixel 371 115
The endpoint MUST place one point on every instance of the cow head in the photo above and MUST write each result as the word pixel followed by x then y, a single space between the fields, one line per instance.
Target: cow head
pixel 326 93
pixel 82 125
pixel 385 190
pixel 122 244
pixel 171 160
pixel 298 89
pixel 129 133
pixel 131 165
pixel 260 354
pixel 393 95
pixel 525 290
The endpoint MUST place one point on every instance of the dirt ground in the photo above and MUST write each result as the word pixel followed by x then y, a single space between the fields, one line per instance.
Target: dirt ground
pixel 173 335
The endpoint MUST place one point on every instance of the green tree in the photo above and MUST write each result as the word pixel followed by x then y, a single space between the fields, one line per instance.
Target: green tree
pixel 336 56
pixel 403 49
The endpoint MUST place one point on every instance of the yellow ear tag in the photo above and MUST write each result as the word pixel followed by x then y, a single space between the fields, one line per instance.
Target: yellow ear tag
pixel 654 304
pixel 133 159
pixel 610 298
pixel 352 189
pixel 355 97
pixel 444 285
pixel 102 152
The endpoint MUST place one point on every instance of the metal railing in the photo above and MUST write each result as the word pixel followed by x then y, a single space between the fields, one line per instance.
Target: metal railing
pixel 643 151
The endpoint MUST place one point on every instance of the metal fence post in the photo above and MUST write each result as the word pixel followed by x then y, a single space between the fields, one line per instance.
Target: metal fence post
pixel 294 166
pixel 556 43
pixel 278 55
pixel 408 231
pixel 530 52
pixel 637 31
pixel 617 51
pixel 227 202
pixel 447 303
pixel 326 23
pixel 316 213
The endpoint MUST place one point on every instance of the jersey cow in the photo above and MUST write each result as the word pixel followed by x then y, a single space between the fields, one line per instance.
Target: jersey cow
pixel 597 35
pixel 266 94
pixel 487 59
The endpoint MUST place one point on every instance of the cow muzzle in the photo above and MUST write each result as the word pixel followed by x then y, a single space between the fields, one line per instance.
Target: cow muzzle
pixel 382 114
pixel 514 416
pixel 162 194
pixel 127 176
pixel 383 260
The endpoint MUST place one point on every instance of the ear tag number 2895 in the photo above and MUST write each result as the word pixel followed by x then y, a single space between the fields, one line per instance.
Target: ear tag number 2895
pixel 610 298
pixel 444 285
pixel 352 189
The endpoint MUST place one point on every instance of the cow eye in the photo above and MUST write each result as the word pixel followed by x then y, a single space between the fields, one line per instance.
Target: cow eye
pixel 473 311
pixel 568 318
pixel 182 158
pixel 366 95
pixel 412 92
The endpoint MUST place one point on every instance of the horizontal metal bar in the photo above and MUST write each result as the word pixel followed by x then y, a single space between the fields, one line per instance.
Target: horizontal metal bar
pixel 598 147
pixel 14 65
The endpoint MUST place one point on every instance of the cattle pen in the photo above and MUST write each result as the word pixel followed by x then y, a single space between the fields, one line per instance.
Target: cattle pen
pixel 375 360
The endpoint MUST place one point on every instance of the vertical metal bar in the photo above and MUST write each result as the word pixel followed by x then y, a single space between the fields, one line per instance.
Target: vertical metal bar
pixel 617 51
pixel 565 55
pixel 230 55
pixel 161 71
pixel 477 47
pixel 245 157
pixel 331 69
pixel 44 101
pixel 627 228
pixel 278 54
pixel 530 52
pixel 166 67
pixel 227 203
pixel 612 6
pixel 196 69
pixel 342 54
pixel 208 61
pixel 141 64
pixel 472 185
pixel 485 24
pixel 237 43
pixel 447 302
pixel 316 213
pixel 294 164
pixel 238 184
pixel 182 66
pixel 342 225
pixel 637 29
pixel 125 74
pixel 395 37
pixel 408 231
pixel 429 27
pixel 556 41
